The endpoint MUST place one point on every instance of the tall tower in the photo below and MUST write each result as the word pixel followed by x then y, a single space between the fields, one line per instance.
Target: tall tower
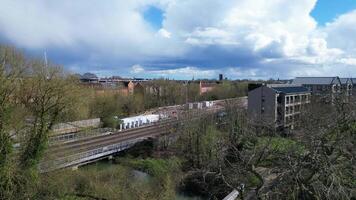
pixel 221 77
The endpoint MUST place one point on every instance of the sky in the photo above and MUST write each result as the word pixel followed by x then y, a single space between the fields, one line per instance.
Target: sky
pixel 185 39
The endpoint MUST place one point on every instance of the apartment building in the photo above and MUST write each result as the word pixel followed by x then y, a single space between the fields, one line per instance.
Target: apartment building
pixel 279 105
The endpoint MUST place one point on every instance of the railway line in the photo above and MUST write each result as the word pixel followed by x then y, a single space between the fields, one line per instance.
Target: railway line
pixel 103 141
pixel 85 150
pixel 65 147
pixel 96 139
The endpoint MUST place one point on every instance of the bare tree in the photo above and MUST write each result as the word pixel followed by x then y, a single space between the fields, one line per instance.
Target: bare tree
pixel 317 161
pixel 11 68
pixel 32 98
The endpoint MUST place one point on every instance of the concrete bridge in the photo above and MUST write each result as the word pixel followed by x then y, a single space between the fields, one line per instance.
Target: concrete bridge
pixel 86 150
pixel 90 149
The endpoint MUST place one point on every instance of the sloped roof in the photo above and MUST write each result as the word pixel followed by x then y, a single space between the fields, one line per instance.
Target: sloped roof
pixel 345 80
pixel 291 90
pixel 89 76
pixel 208 84
pixel 353 80
pixel 314 80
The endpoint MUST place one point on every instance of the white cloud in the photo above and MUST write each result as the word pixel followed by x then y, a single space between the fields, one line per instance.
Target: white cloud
pixel 187 72
pixel 341 32
pixel 244 37
pixel 209 36
pixel 164 33
pixel 113 28
pixel 136 69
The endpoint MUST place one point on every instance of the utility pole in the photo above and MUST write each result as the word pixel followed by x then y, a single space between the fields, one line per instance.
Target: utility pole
pixel 45 70
pixel 45 59
pixel 186 92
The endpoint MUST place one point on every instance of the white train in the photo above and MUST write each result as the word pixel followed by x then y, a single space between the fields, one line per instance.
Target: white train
pixel 136 121
pixel 200 105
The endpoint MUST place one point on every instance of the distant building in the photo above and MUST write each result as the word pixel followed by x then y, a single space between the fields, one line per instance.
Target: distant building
pixel 221 77
pixel 135 88
pixel 279 105
pixel 207 86
pixel 347 86
pixel 319 85
pixel 112 85
pixel 89 78
pixel 326 87
pixel 354 82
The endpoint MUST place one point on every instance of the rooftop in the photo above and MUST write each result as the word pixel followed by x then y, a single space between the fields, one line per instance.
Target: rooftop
pixel 346 80
pixel 314 80
pixel 291 90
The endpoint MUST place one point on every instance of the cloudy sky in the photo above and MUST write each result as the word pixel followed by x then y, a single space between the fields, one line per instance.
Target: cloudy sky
pixel 182 39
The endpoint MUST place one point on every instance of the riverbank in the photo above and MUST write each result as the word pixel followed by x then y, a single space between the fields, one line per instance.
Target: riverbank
pixel 146 172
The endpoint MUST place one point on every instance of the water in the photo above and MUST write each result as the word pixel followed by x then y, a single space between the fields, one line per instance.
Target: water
pixel 140 176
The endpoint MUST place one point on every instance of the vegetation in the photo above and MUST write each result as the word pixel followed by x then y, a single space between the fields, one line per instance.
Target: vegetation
pixel 209 156
pixel 226 90
pixel 109 182
pixel 316 162
pixel 34 97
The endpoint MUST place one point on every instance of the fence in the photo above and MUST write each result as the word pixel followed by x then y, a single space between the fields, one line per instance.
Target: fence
pixel 70 127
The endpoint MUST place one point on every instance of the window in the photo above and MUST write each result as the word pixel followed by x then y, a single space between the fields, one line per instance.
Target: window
pixel 304 98
pixel 297 99
pixel 297 108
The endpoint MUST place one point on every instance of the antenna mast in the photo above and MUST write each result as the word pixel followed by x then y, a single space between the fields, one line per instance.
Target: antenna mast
pixel 45 59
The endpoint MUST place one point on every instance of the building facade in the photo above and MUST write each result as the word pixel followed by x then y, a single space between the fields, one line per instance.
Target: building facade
pixel 347 86
pixel 207 86
pixel 279 105
pixel 325 87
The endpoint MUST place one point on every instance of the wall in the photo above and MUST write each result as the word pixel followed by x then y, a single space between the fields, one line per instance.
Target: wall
pixel 256 105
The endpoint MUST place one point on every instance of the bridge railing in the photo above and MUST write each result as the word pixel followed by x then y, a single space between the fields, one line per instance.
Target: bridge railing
pixel 82 157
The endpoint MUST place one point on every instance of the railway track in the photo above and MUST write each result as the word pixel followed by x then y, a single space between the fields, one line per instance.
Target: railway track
pixel 84 141
pixel 75 158
pixel 99 141
pixel 74 150
pixel 104 142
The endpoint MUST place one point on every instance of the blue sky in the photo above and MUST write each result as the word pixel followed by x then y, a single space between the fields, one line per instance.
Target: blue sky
pixel 154 16
pixel 181 39
pixel 327 10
